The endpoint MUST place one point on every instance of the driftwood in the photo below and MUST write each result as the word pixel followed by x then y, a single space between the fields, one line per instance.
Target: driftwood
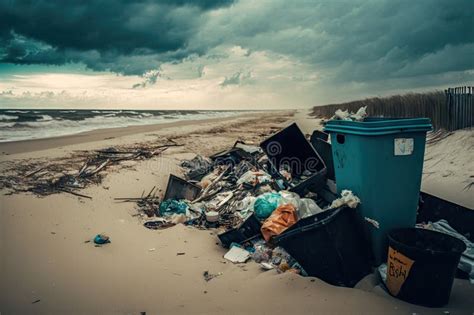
pixel 77 171
pixel 101 166
pixel 74 193
pixel 35 171
pixel 147 204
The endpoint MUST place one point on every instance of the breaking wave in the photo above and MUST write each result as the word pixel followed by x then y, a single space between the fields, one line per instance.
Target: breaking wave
pixel 29 124
pixel 8 117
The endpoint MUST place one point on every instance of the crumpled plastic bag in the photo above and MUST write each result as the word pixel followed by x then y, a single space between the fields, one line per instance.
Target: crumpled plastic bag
pixel 244 207
pixel 466 263
pixel 305 206
pixel 171 206
pixel 265 204
pixel 254 178
pixel 308 207
pixel 282 218
pixel 341 115
pixel 347 199
pixel 345 115
pixel 360 114
pixel 288 197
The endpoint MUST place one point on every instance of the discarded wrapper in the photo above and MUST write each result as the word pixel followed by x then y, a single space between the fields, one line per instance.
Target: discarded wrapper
pixel 237 255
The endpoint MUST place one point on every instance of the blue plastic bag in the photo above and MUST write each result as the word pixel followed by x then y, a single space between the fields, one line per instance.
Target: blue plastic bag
pixel 265 204
pixel 171 206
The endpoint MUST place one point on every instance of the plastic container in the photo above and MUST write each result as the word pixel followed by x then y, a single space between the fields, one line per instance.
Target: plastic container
pixel 289 147
pixel 212 216
pixel 249 229
pixel 328 245
pixel 381 161
pixel 421 265
pixel 179 188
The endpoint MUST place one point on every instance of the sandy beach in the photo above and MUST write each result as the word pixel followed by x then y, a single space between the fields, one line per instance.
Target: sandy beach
pixel 47 267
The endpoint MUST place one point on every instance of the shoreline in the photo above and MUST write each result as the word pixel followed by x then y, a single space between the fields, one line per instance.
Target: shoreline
pixel 31 145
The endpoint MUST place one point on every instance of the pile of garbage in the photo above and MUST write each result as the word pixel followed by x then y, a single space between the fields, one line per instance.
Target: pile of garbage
pixel 251 195
pixel 276 203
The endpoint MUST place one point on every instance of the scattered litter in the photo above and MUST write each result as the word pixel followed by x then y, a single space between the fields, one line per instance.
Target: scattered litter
pixel 237 255
pixel 345 115
pixel 157 225
pixel 147 204
pixel 101 239
pixel 35 301
pixel 209 276
pixel 347 199
pixel 180 254
pixel 266 266
pixel 151 249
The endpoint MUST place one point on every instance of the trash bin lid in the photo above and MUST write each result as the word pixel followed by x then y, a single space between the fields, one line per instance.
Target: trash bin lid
pixel 379 126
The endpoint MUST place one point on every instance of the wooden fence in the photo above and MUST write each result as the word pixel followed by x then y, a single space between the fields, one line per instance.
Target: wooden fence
pixel 450 110
pixel 459 106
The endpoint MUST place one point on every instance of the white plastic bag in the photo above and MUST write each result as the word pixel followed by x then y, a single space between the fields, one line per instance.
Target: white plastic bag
pixel 308 207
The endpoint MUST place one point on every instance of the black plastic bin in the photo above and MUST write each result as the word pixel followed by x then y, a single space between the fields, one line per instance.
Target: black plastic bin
pixel 330 246
pixel 290 147
pixel 421 265
pixel 179 188
pixel 247 230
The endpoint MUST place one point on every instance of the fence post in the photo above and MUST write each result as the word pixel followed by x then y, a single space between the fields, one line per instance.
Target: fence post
pixel 449 109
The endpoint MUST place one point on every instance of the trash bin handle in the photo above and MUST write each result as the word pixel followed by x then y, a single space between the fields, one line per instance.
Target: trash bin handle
pixel 340 138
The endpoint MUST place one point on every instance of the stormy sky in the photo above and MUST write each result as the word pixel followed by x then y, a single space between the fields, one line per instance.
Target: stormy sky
pixel 229 54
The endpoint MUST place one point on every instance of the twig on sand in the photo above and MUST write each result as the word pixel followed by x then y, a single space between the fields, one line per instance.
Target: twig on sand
pixel 35 171
pixel 75 193
pixel 468 186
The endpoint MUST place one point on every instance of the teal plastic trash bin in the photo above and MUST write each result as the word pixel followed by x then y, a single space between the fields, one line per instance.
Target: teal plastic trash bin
pixel 381 161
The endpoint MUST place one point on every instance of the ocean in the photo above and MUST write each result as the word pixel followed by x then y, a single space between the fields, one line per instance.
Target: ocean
pixel 36 124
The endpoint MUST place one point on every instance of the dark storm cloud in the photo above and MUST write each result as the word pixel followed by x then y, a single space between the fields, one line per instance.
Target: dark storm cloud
pixel 102 34
pixel 355 40
pixel 344 40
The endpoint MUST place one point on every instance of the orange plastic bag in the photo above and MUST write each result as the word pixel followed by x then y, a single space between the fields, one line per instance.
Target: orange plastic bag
pixel 282 218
